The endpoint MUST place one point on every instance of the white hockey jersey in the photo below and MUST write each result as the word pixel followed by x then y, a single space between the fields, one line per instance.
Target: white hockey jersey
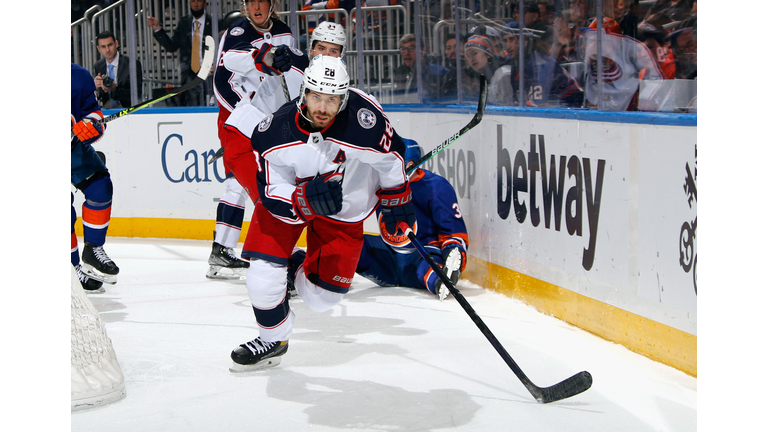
pixel 623 60
pixel 236 76
pixel 360 139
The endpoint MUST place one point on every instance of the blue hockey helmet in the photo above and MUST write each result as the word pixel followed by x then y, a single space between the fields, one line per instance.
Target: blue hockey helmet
pixel 412 151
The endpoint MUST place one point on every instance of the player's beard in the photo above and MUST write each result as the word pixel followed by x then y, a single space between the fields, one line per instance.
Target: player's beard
pixel 320 123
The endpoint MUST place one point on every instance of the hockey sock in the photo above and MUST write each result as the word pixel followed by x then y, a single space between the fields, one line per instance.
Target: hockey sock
pixel 97 210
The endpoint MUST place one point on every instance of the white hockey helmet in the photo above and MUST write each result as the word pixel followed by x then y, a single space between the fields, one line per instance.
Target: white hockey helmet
pixel 329 32
pixel 327 75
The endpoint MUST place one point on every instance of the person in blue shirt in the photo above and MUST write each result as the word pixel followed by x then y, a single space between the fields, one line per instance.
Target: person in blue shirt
pixel 391 261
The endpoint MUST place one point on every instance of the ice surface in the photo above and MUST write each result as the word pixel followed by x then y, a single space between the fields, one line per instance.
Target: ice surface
pixel 385 359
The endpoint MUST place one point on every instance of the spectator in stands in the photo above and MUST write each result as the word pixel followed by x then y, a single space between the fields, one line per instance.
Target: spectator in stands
pixel 568 30
pixel 405 80
pixel 112 73
pixel 510 39
pixel 510 8
pixel 188 38
pixel 450 48
pixel 546 12
pixel 532 15
pixel 449 89
pixel 546 83
pixel 493 36
pixel 314 20
pixel 624 61
pixel 625 13
pixel 684 47
pixel 481 59
pixel 678 10
pixel 654 37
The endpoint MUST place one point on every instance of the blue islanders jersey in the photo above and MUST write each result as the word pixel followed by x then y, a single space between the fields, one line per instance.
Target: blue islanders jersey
pixel 84 160
pixel 437 210
pixel 84 103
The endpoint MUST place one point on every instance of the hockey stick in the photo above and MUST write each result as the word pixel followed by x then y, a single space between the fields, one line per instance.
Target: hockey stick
pixel 472 123
pixel 202 74
pixel 572 386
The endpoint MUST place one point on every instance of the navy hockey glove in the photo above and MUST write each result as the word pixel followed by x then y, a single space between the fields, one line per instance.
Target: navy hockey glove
pixel 282 58
pixel 321 196
pixel 397 211
pixel 264 61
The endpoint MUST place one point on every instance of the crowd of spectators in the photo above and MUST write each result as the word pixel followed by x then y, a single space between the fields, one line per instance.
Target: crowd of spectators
pixel 641 45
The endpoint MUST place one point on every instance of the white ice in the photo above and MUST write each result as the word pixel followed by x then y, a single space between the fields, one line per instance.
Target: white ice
pixel 385 359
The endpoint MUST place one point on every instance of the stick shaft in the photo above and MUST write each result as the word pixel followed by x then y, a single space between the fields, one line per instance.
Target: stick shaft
pixel 472 123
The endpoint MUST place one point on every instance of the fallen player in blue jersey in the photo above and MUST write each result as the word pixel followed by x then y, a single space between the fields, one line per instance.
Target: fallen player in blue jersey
pixel 390 261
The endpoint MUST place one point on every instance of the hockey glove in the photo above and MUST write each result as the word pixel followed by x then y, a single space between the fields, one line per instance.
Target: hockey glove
pixel 454 259
pixel 321 196
pixel 86 130
pixel 397 211
pixel 263 59
pixel 282 58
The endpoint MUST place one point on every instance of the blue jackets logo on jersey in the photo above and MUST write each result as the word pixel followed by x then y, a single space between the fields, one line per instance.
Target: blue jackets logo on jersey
pixel 265 123
pixel 237 31
pixel 366 118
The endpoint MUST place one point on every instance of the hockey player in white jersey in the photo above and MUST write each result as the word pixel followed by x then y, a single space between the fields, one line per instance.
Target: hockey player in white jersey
pixel 328 39
pixel 325 168
pixel 252 49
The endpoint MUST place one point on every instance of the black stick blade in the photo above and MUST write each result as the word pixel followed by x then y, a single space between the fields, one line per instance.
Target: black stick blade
pixel 572 386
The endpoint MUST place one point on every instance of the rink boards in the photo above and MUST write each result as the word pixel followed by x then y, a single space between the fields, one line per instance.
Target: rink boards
pixel 589 217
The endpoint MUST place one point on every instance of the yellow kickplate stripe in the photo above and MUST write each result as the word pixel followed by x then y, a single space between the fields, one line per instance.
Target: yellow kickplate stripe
pixel 644 336
pixel 192 229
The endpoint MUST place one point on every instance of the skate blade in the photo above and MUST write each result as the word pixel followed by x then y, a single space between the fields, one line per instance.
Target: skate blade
pixel 443 292
pixel 99 276
pixel 223 273
pixel 264 364
pixel 99 290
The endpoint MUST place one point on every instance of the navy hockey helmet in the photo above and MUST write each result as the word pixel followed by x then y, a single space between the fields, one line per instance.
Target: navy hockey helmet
pixel 412 151
pixel 230 19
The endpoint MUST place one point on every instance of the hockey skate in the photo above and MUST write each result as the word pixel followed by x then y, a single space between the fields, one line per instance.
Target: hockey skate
pixel 97 264
pixel 89 285
pixel 257 355
pixel 294 262
pixel 225 265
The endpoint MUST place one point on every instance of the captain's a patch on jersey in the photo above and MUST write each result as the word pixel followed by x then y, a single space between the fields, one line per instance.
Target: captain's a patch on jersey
pixel 237 31
pixel 265 123
pixel 366 118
